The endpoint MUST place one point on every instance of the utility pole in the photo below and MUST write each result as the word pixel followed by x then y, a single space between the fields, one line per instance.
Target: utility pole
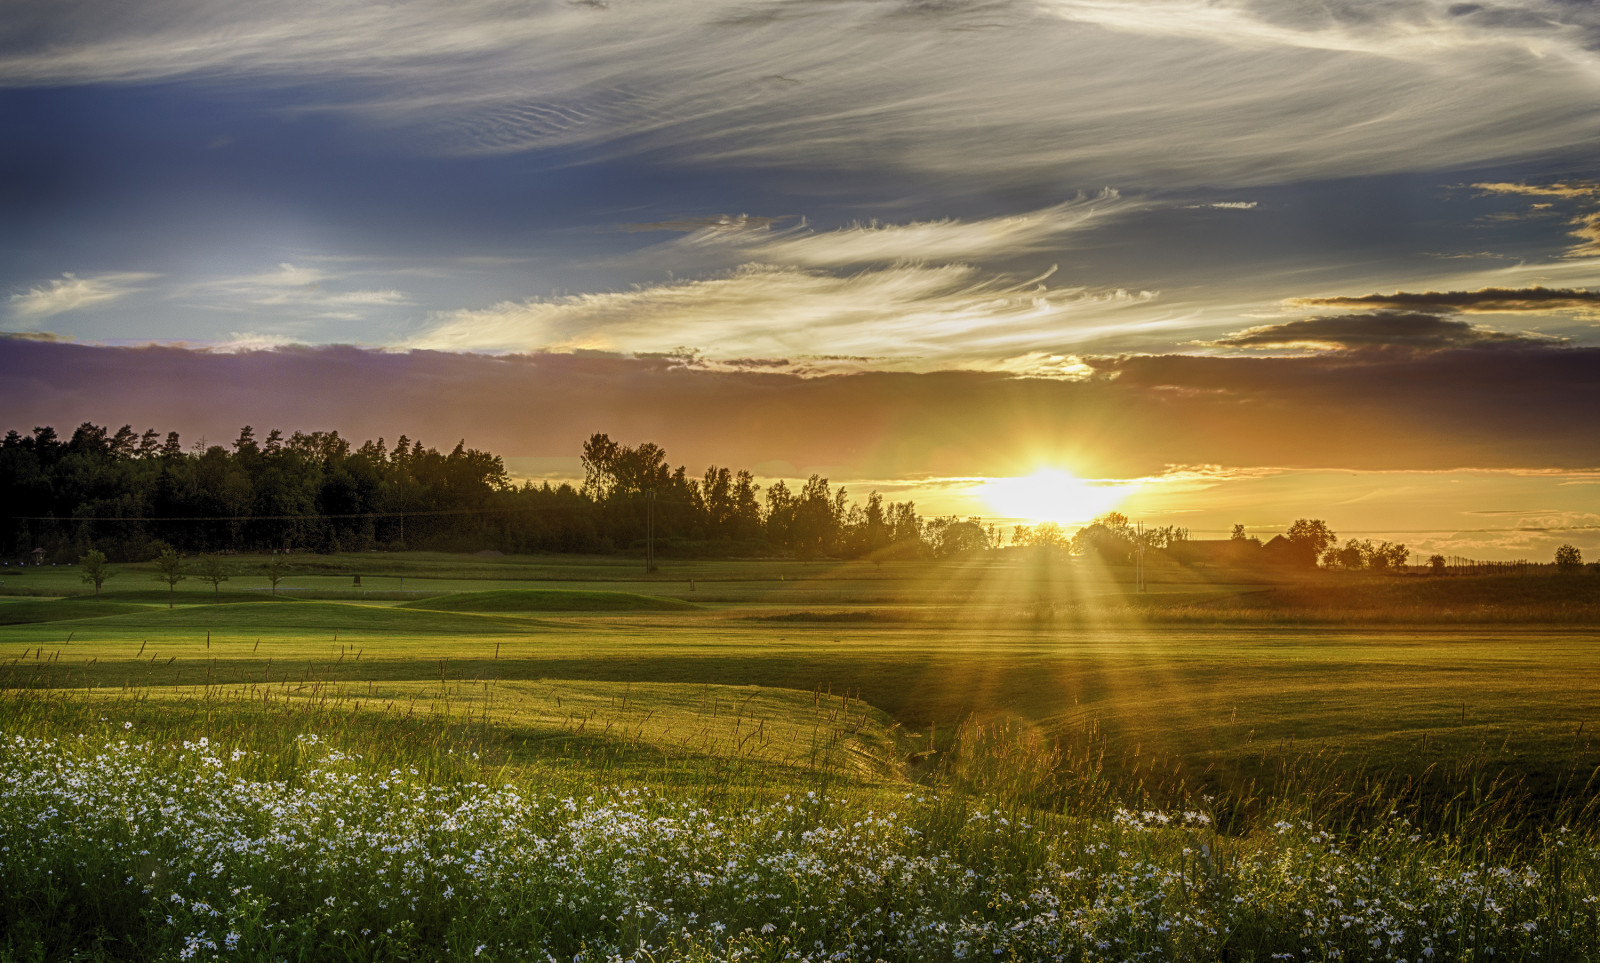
pixel 1138 565
pixel 649 531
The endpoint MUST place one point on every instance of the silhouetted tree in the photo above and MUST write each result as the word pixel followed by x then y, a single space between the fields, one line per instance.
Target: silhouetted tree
pixel 94 569
pixel 1568 558
pixel 1109 536
pixel 1310 537
pixel 952 536
pixel 130 495
pixel 1359 554
pixel 276 570
pixel 1388 555
pixel 212 570
pixel 169 569
pixel 1047 535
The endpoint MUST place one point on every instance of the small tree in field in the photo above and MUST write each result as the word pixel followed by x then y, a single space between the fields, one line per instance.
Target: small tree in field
pixel 211 570
pixel 277 570
pixel 94 569
pixel 1568 558
pixel 1436 562
pixel 169 569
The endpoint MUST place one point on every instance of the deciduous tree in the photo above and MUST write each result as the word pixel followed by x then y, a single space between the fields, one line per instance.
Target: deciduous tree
pixel 94 569
pixel 276 570
pixel 1310 538
pixel 212 570
pixel 169 569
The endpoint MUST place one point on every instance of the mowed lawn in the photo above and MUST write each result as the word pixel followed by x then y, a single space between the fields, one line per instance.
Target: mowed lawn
pixel 918 651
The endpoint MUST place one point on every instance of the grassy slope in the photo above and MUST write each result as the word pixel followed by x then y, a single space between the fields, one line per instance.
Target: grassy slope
pixel 1521 699
pixel 27 611
pixel 850 673
pixel 549 600
pixel 1066 651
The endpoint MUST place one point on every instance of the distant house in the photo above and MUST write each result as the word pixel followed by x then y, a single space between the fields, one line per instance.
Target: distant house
pixel 1281 551
pixel 1215 551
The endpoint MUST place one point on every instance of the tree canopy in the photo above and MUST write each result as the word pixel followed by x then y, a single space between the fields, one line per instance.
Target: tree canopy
pixel 130 495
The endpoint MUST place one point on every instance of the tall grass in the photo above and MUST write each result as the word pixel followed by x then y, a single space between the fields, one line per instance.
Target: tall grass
pixel 320 827
pixel 1472 799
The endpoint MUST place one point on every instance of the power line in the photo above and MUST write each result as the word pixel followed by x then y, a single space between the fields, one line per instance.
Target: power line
pixel 1446 531
pixel 282 518
pixel 523 509
pixel 434 513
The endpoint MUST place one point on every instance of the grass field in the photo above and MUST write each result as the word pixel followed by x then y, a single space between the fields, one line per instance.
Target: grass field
pixel 1042 690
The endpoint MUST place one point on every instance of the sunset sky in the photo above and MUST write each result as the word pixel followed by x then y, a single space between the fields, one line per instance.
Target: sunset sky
pixel 1235 262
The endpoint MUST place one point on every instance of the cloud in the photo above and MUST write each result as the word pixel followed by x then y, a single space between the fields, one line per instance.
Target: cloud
pixel 1382 329
pixel 33 336
pixel 721 222
pixel 906 295
pixel 1497 406
pixel 306 291
pixel 1586 228
pixel 1483 301
pixel 384 296
pixel 1181 92
pixel 1044 364
pixel 949 239
pixel 905 313
pixel 71 293
pixel 1573 190
pixel 1584 225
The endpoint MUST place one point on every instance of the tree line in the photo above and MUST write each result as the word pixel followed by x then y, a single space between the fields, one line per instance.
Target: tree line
pixel 132 495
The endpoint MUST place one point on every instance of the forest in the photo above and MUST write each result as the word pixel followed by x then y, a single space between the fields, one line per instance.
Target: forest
pixel 132 495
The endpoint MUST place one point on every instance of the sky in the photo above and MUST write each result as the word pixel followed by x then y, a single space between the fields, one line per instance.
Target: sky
pixel 1233 262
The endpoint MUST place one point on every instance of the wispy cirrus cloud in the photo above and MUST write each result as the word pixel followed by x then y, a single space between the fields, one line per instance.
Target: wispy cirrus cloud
pixel 911 294
pixel 306 291
pixel 904 314
pixel 948 239
pixel 71 293
pixel 1174 92
pixel 720 222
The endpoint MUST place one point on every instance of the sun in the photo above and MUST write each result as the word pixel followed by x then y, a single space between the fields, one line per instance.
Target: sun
pixel 1050 495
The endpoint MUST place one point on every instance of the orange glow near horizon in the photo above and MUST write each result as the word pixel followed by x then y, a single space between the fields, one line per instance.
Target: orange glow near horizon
pixel 1050 495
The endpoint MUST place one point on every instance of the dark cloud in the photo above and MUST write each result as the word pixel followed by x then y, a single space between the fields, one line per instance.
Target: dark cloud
pixel 1483 300
pixel 1507 405
pixel 1381 329
pixel 32 336
pixel 758 364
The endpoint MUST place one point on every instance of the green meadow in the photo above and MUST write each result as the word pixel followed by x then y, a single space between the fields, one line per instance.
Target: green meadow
pixel 1406 675
pixel 1446 725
